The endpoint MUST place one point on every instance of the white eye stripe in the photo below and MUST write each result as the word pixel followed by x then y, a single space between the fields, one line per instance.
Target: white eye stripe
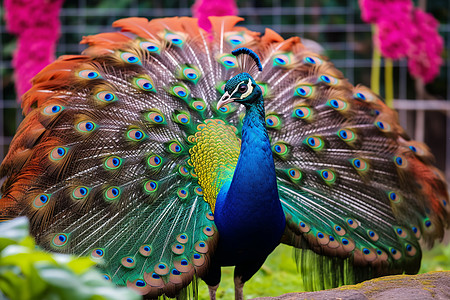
pixel 235 90
pixel 249 89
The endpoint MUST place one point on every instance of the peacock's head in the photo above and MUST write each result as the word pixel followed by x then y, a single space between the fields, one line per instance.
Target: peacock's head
pixel 242 88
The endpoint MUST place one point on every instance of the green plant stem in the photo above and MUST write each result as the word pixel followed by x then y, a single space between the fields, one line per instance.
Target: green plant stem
pixel 376 62
pixel 389 82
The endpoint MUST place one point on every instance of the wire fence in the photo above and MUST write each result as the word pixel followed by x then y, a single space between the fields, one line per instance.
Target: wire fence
pixel 335 24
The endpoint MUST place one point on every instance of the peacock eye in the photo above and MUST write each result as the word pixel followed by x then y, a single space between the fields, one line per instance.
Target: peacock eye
pixel 243 88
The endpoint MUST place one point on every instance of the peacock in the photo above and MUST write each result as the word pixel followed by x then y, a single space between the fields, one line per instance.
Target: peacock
pixel 165 152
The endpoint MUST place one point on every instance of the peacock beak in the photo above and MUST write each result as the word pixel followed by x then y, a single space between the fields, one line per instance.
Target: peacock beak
pixel 226 98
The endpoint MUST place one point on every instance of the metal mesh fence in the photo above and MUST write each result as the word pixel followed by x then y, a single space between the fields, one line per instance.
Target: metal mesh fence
pixel 335 24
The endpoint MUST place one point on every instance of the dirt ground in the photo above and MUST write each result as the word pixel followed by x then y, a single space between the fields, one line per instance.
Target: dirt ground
pixel 433 285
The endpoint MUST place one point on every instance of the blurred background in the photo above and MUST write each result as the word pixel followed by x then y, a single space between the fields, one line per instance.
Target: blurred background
pixel 338 28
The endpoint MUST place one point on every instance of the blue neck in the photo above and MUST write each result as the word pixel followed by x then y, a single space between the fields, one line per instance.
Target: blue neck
pixel 248 212
pixel 254 177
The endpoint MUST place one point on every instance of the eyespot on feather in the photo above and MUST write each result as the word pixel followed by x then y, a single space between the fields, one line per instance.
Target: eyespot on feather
pixel 199 191
pixel 339 230
pixel 150 186
pixel 113 162
pixel 52 109
pixel 210 216
pixel 273 121
pixel 60 239
pixel 161 269
pixel 294 174
pixel 283 59
pixel 135 135
pixel 281 149
pixel 97 253
pixel 395 253
pixel 304 227
pixel 400 161
pixel 337 104
pixel 130 58
pixel 352 223
pixel 150 47
pixel 182 238
pixel 383 126
pixel 190 73
pixel 144 84
pixel 41 200
pixel 183 193
pixel 106 96
pixel 112 193
pixel 227 60
pixel 303 112
pixel 183 265
pixel 328 176
pixel 80 192
pixel 347 135
pixel 58 153
pixel 182 118
pixel 410 250
pixel 329 80
pixel 183 171
pixel 316 143
pixel 86 126
pixel 198 259
pixel 235 39
pixel 155 117
pixel 181 91
pixel 139 286
pixel 174 147
pixel 153 280
pixel 201 247
pixel 89 74
pixel 145 250
pixel 312 60
pixel 360 165
pixel 208 230
pixel 174 38
pixel 373 235
pixel 304 91
pixel 394 197
pixel 400 232
pixel 198 105
pixel 128 262
pixel 178 249
pixel 154 161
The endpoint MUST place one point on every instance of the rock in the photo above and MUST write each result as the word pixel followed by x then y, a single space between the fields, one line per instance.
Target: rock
pixel 433 285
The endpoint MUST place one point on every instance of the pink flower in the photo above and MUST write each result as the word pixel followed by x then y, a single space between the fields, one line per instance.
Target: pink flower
pixel 391 38
pixel 36 23
pixel 202 9
pixel 424 55
pixel 372 11
pixel 405 31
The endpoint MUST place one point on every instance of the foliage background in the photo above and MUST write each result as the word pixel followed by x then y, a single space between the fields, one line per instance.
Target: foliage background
pixel 335 24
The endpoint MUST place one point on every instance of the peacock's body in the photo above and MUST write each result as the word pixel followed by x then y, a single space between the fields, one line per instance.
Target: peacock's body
pixel 126 154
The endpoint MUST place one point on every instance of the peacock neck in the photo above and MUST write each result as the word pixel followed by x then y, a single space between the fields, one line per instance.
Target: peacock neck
pixel 253 189
pixel 248 213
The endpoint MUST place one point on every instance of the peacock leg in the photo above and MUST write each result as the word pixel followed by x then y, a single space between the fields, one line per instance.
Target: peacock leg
pixel 212 278
pixel 212 291
pixel 242 273
pixel 238 288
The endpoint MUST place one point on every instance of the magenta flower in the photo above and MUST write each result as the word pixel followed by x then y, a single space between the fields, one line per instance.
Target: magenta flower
pixel 36 23
pixel 424 56
pixel 372 11
pixel 405 31
pixel 202 9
